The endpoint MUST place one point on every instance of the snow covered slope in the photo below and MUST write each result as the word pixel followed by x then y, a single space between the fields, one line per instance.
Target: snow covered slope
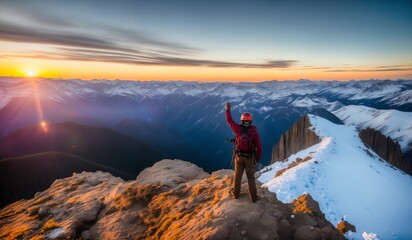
pixel 349 181
pixel 392 123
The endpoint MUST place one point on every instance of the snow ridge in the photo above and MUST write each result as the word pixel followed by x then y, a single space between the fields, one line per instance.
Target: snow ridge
pixel 348 183
pixel 390 122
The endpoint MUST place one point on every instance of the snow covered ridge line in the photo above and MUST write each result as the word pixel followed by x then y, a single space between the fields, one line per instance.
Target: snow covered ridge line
pixel 348 181
pixel 391 123
pixel 271 90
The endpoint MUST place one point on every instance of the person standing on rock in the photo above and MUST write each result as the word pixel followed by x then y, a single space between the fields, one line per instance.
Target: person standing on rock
pixel 248 152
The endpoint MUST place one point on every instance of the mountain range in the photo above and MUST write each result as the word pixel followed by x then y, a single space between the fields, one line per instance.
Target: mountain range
pixel 191 113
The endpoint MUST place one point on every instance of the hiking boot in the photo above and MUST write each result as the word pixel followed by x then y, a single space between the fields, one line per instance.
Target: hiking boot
pixel 255 198
pixel 233 194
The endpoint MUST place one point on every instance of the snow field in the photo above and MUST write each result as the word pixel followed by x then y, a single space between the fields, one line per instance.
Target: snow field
pixel 348 183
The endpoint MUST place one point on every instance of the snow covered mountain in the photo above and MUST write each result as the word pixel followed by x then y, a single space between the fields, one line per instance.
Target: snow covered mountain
pixel 299 93
pixel 393 123
pixel 349 180
pixel 191 113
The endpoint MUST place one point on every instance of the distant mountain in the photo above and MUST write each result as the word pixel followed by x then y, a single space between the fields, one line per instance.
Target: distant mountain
pixel 191 111
pixel 349 180
pixel 390 122
pixel 25 111
pixel 100 145
pixel 323 113
pixel 22 177
pixel 165 140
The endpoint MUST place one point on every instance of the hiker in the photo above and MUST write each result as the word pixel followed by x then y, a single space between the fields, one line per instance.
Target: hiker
pixel 248 152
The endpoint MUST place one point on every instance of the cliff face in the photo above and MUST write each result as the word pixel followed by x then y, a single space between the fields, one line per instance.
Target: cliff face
pixel 386 148
pixel 171 200
pixel 297 138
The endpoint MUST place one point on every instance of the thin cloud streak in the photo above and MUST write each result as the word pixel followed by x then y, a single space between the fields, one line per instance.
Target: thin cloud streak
pixel 15 33
pixel 149 39
pixel 377 69
pixel 145 59
pixel 83 47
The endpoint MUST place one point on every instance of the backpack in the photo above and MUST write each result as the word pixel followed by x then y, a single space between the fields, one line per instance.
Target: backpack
pixel 245 142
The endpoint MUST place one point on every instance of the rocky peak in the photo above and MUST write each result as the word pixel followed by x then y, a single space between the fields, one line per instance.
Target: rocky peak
pixel 296 138
pixel 171 200
pixel 386 148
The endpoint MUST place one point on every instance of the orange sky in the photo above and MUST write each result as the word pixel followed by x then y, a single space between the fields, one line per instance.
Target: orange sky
pixel 100 70
pixel 206 41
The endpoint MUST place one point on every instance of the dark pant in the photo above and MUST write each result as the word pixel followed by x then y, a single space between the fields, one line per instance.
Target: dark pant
pixel 245 163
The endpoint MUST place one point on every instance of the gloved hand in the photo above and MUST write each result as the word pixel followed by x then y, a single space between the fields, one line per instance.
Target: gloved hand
pixel 227 106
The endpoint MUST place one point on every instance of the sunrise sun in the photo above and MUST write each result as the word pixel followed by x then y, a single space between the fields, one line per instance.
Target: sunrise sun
pixel 31 73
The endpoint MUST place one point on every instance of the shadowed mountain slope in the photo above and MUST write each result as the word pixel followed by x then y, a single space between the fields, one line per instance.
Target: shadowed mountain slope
pixel 100 145
pixel 22 177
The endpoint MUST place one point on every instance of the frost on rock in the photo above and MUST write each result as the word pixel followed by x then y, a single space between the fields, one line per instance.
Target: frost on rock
pixel 56 233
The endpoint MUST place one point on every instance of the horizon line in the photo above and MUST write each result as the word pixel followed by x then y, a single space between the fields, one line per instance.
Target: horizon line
pixel 205 81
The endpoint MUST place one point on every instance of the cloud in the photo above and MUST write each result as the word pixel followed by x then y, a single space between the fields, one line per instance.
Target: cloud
pixel 15 33
pixel 311 68
pixel 143 58
pixel 44 19
pixel 149 39
pixel 115 45
pixel 392 68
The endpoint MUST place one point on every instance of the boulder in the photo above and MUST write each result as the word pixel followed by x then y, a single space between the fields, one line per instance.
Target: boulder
pixel 344 227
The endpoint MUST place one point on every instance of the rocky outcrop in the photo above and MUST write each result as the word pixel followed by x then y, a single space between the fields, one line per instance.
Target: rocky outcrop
pixel 344 227
pixel 297 138
pixel 171 200
pixel 386 148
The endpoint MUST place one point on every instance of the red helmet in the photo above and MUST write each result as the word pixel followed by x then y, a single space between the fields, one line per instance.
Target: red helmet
pixel 246 116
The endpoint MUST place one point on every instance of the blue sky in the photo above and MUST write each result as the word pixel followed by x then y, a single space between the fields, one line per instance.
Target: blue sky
pixel 272 38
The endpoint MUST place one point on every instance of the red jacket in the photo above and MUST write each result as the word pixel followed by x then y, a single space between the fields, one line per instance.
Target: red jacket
pixel 237 130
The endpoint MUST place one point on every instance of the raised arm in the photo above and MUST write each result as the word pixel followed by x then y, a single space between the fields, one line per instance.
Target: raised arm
pixel 232 124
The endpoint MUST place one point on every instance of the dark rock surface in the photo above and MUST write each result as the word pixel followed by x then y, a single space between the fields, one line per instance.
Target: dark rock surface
pixel 297 138
pixel 386 148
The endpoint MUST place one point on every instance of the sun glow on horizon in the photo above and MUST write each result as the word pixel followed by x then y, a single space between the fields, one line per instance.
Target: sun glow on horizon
pixel 32 73
pixel 43 125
